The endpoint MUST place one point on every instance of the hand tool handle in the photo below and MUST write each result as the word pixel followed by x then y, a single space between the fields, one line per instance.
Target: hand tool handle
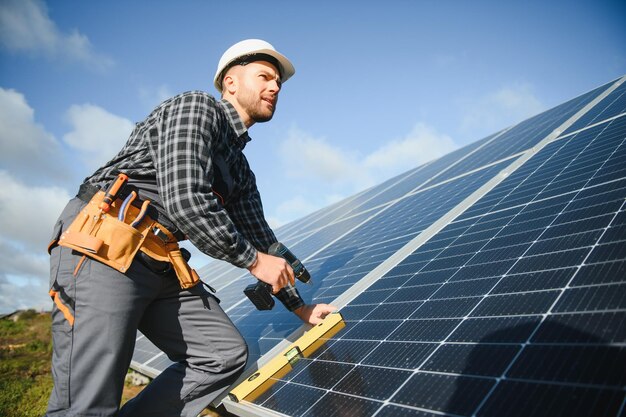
pixel 142 213
pixel 111 193
pixel 124 208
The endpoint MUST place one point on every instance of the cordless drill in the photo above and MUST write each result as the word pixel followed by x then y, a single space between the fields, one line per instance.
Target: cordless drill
pixel 261 293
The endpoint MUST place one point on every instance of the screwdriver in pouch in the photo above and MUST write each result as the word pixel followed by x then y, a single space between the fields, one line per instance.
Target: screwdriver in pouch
pixel 112 192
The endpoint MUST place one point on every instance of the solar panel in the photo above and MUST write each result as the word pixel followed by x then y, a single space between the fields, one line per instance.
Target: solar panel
pixel 613 105
pixel 489 282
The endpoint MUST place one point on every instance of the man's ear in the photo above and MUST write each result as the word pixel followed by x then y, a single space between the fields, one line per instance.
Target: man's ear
pixel 229 83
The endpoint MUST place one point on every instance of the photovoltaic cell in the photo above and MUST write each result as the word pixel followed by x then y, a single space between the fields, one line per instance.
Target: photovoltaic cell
pixel 422 177
pixel 522 398
pixel 611 106
pixel 525 134
pixel 351 257
pixel 456 394
pixel 519 299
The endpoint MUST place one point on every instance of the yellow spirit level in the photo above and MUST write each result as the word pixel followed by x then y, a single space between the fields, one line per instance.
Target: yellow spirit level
pixel 279 366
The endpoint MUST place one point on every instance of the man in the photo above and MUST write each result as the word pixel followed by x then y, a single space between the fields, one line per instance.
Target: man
pixel 185 163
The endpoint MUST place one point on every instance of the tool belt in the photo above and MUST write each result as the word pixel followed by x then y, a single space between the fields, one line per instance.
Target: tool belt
pixel 114 242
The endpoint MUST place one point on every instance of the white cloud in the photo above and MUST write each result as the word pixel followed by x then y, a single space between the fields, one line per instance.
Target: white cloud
pixel 30 155
pixel 421 145
pixel 319 160
pixel 19 133
pixel 27 213
pixel 291 209
pixel 26 148
pixel 153 97
pixel 27 216
pixel 26 27
pixel 301 205
pixel 20 295
pixel 502 108
pixel 326 173
pixel 96 133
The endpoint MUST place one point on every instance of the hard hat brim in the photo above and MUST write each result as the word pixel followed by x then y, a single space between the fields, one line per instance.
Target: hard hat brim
pixel 286 69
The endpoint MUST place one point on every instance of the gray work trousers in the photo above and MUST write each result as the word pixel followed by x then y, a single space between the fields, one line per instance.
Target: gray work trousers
pixel 91 357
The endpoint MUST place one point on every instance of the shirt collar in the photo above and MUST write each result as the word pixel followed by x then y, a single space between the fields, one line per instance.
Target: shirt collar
pixel 241 131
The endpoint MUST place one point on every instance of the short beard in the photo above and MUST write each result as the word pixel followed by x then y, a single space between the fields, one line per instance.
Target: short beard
pixel 260 118
pixel 253 105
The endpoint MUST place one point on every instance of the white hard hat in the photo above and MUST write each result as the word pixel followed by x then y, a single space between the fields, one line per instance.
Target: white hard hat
pixel 255 49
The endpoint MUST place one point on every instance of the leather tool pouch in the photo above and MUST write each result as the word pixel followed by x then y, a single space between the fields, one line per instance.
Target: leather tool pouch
pixel 187 277
pixel 101 236
pixel 165 248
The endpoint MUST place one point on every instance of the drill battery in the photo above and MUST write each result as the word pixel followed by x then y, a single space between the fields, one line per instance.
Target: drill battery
pixel 261 295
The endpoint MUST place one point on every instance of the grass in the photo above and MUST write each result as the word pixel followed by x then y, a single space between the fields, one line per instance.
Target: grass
pixel 25 351
pixel 25 377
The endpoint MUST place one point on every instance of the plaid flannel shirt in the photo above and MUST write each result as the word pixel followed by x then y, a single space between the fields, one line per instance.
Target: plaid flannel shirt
pixel 186 146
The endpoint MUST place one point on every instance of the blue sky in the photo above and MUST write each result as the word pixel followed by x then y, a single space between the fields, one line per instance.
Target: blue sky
pixel 380 87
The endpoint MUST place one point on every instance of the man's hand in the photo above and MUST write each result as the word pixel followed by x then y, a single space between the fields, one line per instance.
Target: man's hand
pixel 272 270
pixel 314 313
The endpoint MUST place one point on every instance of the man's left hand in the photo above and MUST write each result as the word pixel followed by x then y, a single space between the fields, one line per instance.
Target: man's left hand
pixel 314 313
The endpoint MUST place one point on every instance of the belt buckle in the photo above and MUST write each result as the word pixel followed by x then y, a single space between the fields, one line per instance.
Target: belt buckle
pixel 160 234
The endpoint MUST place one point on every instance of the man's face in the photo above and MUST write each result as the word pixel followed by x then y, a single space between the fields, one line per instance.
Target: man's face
pixel 257 95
